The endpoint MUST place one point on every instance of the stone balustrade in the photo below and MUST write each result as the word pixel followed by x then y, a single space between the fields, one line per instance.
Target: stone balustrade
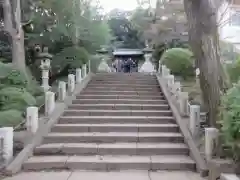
pixel 180 99
pixel 32 113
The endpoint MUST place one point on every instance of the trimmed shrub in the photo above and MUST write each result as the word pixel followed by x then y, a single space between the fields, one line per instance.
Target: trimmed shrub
pixel 179 61
pixel 15 98
pixel 10 118
pixel 11 77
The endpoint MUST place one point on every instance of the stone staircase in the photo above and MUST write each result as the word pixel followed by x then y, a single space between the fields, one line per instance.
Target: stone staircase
pixel 118 122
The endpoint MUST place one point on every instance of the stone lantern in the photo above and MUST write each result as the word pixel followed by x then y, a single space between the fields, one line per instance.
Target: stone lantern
pixel 103 66
pixel 147 66
pixel 45 66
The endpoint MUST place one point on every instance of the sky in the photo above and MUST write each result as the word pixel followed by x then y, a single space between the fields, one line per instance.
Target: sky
pixel 108 5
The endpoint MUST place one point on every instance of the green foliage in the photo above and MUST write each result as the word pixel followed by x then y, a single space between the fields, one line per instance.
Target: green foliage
pixel 10 118
pixel 227 51
pixel 125 31
pixel 70 58
pixel 234 70
pixel 230 121
pixel 15 98
pixel 9 76
pixel 179 61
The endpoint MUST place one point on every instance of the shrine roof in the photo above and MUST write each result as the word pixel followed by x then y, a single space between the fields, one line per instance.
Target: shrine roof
pixel 120 52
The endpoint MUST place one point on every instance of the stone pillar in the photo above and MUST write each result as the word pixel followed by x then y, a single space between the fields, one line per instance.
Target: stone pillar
pixel 170 81
pixel 194 124
pixel 78 75
pixel 49 103
pixel 84 71
pixel 176 89
pixel 163 70
pixel 45 67
pixel 159 67
pixel 71 83
pixel 183 103
pixel 89 66
pixel 32 119
pixel 197 76
pixel 7 147
pixel 211 137
pixel 62 88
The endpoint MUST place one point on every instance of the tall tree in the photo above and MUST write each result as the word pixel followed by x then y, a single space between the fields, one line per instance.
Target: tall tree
pixel 13 27
pixel 204 41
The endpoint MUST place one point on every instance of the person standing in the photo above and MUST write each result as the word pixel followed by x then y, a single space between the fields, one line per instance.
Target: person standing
pixel 118 65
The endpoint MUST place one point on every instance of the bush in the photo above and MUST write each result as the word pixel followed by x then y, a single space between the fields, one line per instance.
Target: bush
pixel 71 58
pixel 9 76
pixel 15 98
pixel 234 71
pixel 230 121
pixel 10 118
pixel 179 61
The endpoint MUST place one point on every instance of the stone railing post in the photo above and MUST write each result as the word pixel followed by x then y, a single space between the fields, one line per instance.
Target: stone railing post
pixel 211 138
pixel 89 66
pixel 78 75
pixel 45 67
pixel 170 81
pixel 71 83
pixel 62 90
pixel 7 147
pixel 176 89
pixel 159 67
pixel 32 119
pixel 194 124
pixel 183 103
pixel 163 70
pixel 49 103
pixel 84 71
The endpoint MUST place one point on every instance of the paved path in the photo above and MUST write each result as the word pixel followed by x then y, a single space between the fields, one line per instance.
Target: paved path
pixel 124 175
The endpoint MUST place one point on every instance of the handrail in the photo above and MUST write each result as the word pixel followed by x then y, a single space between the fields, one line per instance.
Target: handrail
pixel 41 110
pixel 194 151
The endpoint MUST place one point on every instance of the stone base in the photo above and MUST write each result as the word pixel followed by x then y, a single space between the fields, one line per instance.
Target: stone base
pixel 229 177
pixel 218 166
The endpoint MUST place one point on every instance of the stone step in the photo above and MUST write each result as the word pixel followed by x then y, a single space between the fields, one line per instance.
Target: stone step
pixel 113 82
pixel 111 137
pixel 120 96
pixel 116 119
pixel 124 75
pixel 127 88
pixel 117 113
pixel 118 101
pixel 115 128
pixel 119 106
pixel 112 149
pixel 110 163
pixel 117 92
pixel 127 85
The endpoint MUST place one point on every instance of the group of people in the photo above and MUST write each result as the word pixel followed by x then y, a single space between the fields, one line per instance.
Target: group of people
pixel 125 65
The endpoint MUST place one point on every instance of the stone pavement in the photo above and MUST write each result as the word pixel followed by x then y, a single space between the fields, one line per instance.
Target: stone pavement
pixel 123 175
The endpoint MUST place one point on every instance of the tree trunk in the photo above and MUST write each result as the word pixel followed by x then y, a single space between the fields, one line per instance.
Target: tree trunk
pixel 12 24
pixel 7 16
pixel 18 50
pixel 204 41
